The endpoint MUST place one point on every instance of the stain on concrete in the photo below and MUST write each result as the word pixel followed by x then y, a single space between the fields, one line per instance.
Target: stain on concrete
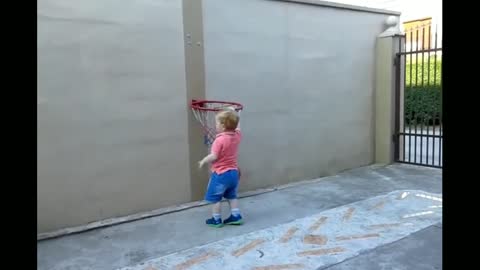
pixel 194 261
pixel 355 237
pixel 138 256
pixel 280 267
pixel 378 206
pixel 384 226
pixel 322 251
pixel 317 224
pixel 315 239
pixel 248 247
pixel 348 214
pixel 288 235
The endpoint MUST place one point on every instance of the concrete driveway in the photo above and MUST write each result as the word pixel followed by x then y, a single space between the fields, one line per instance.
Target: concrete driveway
pixel 410 243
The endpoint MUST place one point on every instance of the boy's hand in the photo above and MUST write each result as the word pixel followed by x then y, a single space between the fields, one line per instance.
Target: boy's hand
pixel 207 159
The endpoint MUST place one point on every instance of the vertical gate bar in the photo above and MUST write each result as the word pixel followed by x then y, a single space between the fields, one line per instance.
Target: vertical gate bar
pixel 435 85
pixel 404 92
pixel 441 111
pixel 416 85
pixel 410 152
pixel 396 151
pixel 397 110
pixel 428 87
pixel 422 89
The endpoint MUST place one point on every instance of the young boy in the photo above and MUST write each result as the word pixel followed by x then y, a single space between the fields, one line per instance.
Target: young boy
pixel 224 170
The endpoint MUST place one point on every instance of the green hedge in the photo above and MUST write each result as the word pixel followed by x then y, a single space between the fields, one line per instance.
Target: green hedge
pixel 423 103
pixel 414 77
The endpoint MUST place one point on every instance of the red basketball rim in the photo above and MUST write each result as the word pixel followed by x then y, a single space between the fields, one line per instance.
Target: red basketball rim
pixel 206 105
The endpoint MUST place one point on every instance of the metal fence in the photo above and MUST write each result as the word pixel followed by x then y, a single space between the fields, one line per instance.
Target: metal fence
pixel 418 127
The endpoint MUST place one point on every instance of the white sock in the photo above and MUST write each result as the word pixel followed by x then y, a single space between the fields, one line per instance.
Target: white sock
pixel 235 212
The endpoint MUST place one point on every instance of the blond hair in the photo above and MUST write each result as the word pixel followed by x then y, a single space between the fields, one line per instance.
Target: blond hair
pixel 229 119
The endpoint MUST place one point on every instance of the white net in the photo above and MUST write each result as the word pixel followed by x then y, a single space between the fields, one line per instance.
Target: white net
pixel 205 113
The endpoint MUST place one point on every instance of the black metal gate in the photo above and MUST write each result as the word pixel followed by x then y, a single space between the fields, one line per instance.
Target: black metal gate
pixel 418 127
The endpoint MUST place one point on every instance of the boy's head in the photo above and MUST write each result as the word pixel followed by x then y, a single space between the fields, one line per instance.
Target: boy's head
pixel 226 120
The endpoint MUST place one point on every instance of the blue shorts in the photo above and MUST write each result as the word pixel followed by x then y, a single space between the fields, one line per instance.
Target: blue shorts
pixel 223 185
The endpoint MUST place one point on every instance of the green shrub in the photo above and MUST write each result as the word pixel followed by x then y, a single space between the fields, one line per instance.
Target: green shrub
pixel 416 73
pixel 422 105
pixel 423 102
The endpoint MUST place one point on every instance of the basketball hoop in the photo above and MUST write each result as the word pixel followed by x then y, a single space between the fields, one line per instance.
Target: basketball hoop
pixel 205 111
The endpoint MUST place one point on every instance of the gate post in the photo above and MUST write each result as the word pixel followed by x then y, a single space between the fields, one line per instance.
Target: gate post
pixel 195 80
pixel 387 99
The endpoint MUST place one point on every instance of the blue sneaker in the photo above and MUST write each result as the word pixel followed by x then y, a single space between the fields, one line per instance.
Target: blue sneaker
pixel 234 220
pixel 214 223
